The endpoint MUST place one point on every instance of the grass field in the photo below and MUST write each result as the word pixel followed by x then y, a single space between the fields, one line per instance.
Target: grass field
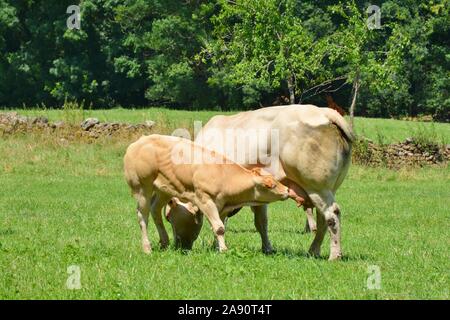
pixel 66 204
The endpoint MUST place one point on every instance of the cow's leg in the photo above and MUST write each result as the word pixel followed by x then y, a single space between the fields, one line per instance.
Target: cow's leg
pixel 328 215
pixel 320 233
pixel 143 210
pixel 310 225
pixel 209 209
pixel 333 219
pixel 260 213
pixel 158 202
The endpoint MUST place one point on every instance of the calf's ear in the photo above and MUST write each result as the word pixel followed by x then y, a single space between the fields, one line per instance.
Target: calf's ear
pixel 167 213
pixel 256 171
pixel 172 203
pixel 269 183
pixel 198 218
pixel 192 208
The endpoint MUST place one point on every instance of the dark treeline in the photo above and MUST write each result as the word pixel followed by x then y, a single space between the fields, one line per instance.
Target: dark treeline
pixel 229 54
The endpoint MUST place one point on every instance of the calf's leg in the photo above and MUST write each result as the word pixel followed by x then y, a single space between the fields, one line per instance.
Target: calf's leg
pixel 209 209
pixel 158 202
pixel 143 210
pixel 260 213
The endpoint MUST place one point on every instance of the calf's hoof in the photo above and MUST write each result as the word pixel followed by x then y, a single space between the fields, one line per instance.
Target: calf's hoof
pixel 314 252
pixel 147 248
pixel 164 245
pixel 335 257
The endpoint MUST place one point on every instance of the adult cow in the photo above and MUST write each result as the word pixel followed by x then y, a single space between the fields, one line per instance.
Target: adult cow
pixel 310 151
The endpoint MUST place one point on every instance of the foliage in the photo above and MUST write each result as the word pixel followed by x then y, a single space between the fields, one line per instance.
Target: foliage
pixel 224 54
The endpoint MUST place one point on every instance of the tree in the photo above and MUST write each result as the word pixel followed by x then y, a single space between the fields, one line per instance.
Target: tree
pixel 228 54
pixel 164 39
pixel 360 56
pixel 263 43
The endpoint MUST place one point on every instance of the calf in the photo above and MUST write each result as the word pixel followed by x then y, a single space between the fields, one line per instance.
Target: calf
pixel 187 220
pixel 158 168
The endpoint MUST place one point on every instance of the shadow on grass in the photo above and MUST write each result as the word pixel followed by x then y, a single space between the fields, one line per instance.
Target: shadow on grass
pixel 279 252
pixel 300 253
pixel 7 232
pixel 253 230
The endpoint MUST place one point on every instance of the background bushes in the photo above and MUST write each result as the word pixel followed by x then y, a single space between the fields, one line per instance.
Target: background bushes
pixel 221 55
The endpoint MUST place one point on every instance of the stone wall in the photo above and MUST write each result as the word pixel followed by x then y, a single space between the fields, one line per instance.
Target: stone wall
pixel 407 153
pixel 365 152
pixel 11 123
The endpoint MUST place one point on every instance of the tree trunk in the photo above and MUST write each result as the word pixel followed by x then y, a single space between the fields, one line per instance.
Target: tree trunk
pixel 356 85
pixel 291 88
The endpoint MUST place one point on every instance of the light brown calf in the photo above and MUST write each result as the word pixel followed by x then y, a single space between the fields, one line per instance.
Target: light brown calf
pixel 158 168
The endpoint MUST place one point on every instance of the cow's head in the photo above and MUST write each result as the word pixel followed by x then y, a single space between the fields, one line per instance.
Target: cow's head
pixel 186 221
pixel 268 189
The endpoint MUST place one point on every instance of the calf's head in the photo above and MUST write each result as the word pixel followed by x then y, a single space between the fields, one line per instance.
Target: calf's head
pixel 186 221
pixel 267 188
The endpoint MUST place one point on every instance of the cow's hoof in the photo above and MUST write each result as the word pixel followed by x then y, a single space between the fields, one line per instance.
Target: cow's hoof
pixel 268 250
pixel 223 249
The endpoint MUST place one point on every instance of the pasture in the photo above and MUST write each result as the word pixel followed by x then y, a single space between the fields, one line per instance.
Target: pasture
pixel 67 204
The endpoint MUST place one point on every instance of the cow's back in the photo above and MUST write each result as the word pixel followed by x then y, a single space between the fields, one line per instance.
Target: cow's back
pixel 314 143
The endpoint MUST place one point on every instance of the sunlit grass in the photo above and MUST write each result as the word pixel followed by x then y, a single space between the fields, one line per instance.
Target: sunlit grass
pixel 67 204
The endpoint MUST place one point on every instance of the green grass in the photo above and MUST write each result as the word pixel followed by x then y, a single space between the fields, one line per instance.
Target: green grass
pixel 379 130
pixel 390 130
pixel 63 205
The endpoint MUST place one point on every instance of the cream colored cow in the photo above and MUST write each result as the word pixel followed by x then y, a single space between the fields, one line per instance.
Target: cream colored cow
pixel 310 152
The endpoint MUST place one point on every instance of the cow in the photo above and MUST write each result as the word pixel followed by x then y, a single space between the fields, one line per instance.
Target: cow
pixel 158 168
pixel 313 156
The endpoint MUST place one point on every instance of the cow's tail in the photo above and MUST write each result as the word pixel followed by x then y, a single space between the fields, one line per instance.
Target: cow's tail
pixel 340 122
